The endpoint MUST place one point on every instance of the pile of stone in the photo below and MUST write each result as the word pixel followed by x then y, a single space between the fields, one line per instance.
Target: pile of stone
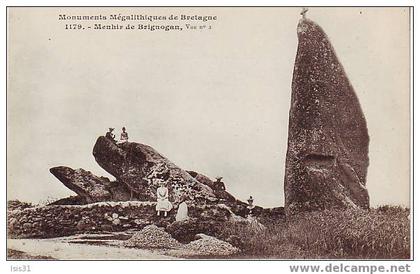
pixel 210 246
pixel 152 236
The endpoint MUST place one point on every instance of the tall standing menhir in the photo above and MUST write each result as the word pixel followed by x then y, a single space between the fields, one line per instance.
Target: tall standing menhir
pixel 328 141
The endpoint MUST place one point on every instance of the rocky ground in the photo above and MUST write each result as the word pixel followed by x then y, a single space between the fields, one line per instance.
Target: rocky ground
pixel 150 243
pixel 59 249
pixel 89 247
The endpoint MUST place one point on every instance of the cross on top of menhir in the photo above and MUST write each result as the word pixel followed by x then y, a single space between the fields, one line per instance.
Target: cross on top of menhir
pixel 303 12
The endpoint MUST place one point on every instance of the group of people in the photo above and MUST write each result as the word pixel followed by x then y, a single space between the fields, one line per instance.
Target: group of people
pixel 123 136
pixel 164 205
pixel 162 192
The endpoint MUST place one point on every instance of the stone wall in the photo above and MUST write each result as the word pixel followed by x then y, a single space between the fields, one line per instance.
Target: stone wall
pixel 64 220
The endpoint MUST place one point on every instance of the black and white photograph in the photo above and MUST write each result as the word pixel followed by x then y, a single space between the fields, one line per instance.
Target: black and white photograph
pixel 209 133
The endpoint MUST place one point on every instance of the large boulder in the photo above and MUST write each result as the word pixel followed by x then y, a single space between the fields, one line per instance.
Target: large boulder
pixel 141 168
pixel 238 207
pixel 138 170
pixel 89 186
pixel 92 188
pixel 220 193
pixel 327 154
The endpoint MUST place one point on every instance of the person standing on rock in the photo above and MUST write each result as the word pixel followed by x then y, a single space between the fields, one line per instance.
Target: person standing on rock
pixel 123 136
pixel 250 206
pixel 110 135
pixel 163 203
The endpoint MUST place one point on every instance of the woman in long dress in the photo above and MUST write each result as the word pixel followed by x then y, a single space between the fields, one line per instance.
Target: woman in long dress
pixel 123 137
pixel 163 203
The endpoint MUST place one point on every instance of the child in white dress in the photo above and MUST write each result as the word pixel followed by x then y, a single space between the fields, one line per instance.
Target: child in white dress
pixel 163 203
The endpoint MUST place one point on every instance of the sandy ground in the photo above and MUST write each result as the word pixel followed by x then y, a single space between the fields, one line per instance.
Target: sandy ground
pixel 73 251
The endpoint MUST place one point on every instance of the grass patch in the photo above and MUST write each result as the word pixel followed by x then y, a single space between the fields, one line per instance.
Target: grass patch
pixel 381 233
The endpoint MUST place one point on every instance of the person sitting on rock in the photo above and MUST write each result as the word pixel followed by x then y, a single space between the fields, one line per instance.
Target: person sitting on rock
pixel 110 135
pixel 123 137
pixel 219 185
pixel 163 203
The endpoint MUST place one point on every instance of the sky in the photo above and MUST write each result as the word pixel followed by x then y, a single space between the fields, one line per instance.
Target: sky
pixel 213 101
